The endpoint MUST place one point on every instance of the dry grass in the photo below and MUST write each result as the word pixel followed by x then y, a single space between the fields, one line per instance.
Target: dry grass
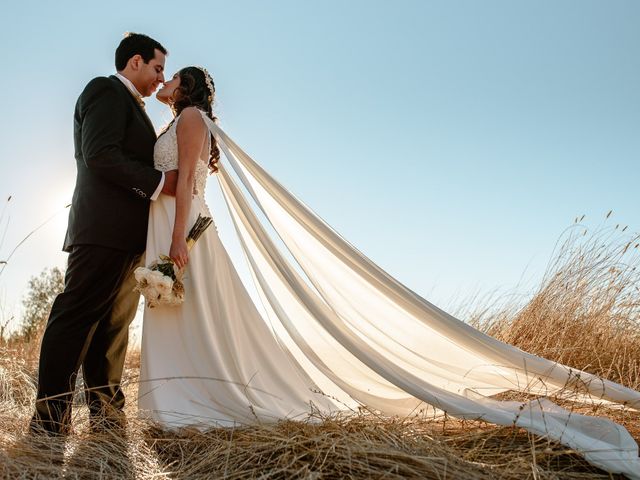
pixel 585 314
pixel 361 445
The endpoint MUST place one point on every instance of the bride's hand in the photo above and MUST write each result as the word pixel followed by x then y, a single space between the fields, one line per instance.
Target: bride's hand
pixel 179 253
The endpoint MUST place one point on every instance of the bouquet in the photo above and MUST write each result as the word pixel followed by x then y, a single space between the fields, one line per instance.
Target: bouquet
pixel 161 282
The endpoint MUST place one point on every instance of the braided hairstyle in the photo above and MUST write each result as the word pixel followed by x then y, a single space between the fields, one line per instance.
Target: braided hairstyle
pixel 194 92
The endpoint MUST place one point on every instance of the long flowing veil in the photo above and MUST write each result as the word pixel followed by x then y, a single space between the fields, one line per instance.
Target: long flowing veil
pixel 363 336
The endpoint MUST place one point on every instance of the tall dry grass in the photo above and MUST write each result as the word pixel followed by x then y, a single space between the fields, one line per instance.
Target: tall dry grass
pixel 585 314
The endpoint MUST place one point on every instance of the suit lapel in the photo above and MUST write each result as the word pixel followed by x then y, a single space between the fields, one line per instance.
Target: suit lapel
pixel 145 117
pixel 141 112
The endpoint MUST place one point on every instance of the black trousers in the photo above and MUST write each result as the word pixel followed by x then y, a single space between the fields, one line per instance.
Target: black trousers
pixel 89 326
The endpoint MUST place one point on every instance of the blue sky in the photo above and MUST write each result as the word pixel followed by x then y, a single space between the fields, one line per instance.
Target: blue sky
pixel 450 141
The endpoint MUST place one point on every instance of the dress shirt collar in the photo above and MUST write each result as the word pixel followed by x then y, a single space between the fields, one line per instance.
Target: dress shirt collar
pixel 131 87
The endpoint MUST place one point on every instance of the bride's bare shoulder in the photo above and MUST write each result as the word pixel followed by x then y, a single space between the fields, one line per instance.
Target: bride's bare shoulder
pixel 190 125
pixel 191 117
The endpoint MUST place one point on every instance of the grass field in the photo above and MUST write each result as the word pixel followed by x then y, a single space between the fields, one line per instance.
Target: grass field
pixel 585 314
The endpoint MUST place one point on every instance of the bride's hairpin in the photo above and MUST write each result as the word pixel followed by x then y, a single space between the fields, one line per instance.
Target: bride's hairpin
pixel 207 78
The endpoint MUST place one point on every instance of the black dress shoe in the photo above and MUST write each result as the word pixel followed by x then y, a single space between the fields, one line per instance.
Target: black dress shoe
pixel 48 429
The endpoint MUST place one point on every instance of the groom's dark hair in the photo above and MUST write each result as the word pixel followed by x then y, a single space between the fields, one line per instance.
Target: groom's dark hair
pixel 136 44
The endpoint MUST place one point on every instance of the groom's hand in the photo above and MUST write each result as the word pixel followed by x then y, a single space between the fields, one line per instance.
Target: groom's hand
pixel 170 182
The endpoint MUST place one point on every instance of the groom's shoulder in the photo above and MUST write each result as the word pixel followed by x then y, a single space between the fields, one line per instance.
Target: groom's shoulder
pixel 99 89
pixel 101 83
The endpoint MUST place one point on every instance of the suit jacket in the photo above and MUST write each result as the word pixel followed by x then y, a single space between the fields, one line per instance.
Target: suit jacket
pixel 114 142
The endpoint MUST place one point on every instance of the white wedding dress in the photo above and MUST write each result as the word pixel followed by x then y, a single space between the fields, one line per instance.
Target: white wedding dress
pixel 337 323
pixel 212 361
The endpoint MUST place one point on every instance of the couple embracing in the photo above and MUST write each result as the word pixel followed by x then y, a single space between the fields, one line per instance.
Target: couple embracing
pixel 138 192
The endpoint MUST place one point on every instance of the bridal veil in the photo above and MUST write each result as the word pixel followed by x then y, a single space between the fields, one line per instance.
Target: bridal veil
pixel 364 337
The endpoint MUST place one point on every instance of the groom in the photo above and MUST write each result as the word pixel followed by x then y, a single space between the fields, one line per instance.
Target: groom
pixel 106 237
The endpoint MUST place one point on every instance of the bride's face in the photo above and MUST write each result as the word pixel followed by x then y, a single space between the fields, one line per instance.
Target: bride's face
pixel 166 93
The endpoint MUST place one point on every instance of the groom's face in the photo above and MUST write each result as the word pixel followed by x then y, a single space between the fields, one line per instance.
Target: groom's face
pixel 150 75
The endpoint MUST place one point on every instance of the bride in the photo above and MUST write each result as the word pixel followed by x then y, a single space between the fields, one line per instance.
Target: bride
pixel 338 331
pixel 212 361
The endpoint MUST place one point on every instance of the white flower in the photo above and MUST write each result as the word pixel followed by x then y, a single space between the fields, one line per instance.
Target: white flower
pixel 141 273
pixel 155 277
pixel 164 285
pixel 150 293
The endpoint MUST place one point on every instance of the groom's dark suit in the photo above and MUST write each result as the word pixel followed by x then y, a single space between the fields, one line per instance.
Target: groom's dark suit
pixel 106 236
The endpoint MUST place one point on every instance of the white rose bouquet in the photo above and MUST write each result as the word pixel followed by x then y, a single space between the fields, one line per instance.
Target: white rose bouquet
pixel 161 282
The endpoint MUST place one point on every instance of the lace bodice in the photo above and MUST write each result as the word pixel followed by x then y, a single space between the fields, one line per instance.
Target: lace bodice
pixel 165 157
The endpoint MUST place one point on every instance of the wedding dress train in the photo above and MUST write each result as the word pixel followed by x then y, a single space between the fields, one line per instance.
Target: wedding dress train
pixel 339 325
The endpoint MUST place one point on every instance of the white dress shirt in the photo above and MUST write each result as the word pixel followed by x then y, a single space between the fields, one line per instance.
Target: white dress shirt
pixel 134 91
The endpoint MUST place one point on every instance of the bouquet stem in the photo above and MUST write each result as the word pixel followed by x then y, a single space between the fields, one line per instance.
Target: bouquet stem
pixel 202 223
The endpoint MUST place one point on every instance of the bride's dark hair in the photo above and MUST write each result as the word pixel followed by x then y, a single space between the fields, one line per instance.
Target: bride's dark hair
pixel 194 92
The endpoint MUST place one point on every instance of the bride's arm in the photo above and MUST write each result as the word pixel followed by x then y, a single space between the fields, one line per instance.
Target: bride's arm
pixel 191 133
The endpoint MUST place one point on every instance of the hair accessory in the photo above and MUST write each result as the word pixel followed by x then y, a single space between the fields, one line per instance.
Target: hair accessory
pixel 207 78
